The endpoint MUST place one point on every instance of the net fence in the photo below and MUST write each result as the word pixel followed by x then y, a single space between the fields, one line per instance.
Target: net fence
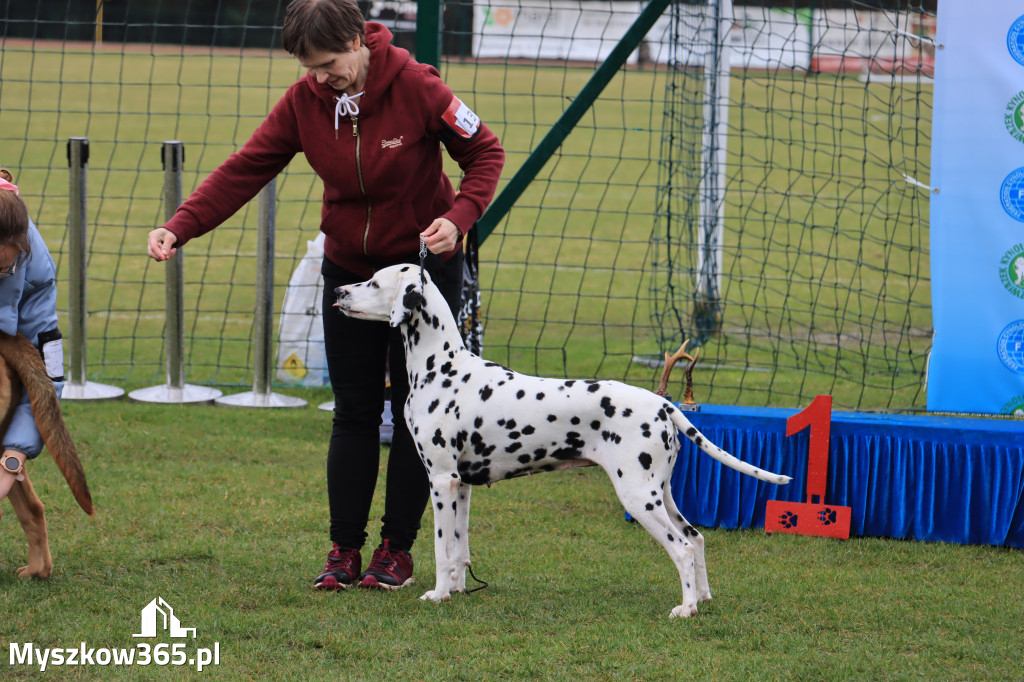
pixel 754 179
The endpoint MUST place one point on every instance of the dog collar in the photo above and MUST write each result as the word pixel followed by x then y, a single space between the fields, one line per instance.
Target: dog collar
pixel 6 463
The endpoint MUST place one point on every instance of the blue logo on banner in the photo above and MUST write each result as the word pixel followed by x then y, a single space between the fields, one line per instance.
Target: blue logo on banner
pixel 1011 194
pixel 1011 346
pixel 1015 40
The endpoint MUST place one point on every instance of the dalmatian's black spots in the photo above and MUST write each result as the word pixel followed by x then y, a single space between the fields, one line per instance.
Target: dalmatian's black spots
pixel 627 413
pixel 645 461
pixel 429 378
pixel 575 421
pixel 430 363
pixel 609 409
pixel 573 440
pixel 691 432
pixel 447 383
pixel 539 454
pixel 610 437
pixel 524 459
pixel 485 393
pixel 514 435
pixel 450 407
pixel 478 422
pixel 593 387
pixel 539 396
pixel 649 507
pixel 520 394
pixel 663 415
pixel 440 506
pixel 528 430
pixel 569 384
pixel 566 454
pixel 595 425
pixel 645 430
pixel 413 300
pixel 480 448
pixel 438 439
pixel 618 472
pixel 433 406
pixel 466 377
pixel 688 530
pixel 513 448
pixel 552 418
pixel 446 369
pixel 671 538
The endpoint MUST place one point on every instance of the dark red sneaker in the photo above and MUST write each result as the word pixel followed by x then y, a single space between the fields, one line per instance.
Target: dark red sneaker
pixel 389 569
pixel 342 568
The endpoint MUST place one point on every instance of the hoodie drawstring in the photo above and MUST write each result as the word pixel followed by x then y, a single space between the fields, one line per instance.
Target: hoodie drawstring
pixel 346 106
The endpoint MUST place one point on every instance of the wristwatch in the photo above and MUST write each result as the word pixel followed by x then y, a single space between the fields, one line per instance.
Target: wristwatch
pixel 12 464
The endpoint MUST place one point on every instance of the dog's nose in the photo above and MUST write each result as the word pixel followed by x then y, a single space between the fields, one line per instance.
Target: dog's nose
pixel 342 292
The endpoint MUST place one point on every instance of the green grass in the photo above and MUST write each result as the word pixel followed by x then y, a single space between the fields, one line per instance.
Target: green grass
pixel 223 513
pixel 825 254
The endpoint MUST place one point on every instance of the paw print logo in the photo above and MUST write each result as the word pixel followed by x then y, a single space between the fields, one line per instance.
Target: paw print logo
pixel 827 516
pixel 788 520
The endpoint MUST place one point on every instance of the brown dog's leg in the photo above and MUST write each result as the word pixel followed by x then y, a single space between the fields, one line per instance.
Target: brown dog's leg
pixel 29 509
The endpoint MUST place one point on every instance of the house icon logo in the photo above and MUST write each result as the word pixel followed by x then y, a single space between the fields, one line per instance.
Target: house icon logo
pixel 158 616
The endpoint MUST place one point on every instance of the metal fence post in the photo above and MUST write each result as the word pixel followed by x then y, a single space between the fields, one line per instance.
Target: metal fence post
pixel 261 395
pixel 175 390
pixel 77 387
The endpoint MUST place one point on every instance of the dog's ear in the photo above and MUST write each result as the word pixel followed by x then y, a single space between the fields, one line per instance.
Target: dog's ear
pixel 406 304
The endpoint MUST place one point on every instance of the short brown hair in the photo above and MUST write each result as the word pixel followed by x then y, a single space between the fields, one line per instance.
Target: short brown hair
pixel 321 25
pixel 13 218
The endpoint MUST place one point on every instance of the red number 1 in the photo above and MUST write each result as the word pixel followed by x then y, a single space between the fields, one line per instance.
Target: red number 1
pixel 818 416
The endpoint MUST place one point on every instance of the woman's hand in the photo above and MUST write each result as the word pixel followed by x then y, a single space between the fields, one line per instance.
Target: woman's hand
pixel 442 236
pixel 161 244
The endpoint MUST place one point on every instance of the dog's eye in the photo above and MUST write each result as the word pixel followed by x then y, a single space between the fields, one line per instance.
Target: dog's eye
pixel 374 285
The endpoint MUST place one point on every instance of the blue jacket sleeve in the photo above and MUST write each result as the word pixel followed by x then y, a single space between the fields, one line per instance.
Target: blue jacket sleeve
pixel 37 314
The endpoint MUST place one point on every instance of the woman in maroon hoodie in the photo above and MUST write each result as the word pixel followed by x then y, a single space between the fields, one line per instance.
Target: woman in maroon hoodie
pixel 371 122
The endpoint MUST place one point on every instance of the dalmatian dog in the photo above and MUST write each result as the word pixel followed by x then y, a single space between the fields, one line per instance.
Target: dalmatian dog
pixel 476 422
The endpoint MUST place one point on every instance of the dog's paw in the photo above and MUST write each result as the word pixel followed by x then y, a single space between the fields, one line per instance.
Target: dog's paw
pixel 436 595
pixel 683 611
pixel 38 572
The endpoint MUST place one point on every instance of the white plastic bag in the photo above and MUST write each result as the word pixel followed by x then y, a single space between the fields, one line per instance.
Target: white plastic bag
pixel 301 360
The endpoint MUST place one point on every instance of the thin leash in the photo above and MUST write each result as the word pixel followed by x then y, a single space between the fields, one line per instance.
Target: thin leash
pixel 423 258
pixel 483 583
pixel 423 284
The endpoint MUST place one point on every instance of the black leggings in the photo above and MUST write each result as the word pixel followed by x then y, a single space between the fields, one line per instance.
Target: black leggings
pixel 358 355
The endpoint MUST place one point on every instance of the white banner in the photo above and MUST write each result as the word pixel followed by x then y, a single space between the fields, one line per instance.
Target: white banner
pixel 977 210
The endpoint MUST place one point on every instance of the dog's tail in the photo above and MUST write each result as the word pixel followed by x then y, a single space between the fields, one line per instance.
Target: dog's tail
pixel 25 360
pixel 701 441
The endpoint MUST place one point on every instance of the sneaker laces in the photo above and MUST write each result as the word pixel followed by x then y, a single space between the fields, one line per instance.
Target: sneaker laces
pixel 339 560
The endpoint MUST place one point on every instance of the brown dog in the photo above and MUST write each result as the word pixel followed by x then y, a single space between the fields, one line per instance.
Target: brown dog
pixel 22 368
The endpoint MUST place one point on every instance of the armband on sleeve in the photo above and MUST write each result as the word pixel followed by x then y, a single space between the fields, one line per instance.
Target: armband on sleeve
pixel 51 347
pixel 461 120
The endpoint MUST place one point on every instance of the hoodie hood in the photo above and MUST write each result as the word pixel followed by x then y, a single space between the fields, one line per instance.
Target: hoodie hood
pixel 386 62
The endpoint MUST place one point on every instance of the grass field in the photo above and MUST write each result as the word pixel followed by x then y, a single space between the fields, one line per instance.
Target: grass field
pixel 825 285
pixel 223 514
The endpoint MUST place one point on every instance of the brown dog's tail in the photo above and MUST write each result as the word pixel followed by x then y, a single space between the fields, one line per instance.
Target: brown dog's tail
pixel 25 360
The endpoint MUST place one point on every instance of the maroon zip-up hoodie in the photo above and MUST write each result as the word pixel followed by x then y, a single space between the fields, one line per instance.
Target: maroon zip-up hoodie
pixel 382 169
